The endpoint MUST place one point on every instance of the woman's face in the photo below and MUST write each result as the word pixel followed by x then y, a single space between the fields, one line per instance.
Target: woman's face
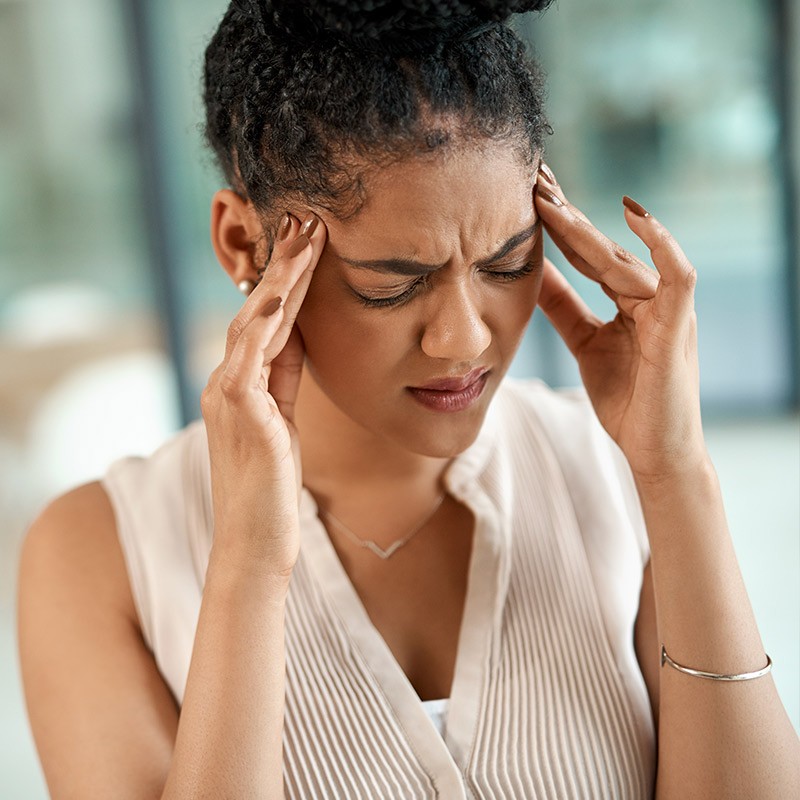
pixel 372 332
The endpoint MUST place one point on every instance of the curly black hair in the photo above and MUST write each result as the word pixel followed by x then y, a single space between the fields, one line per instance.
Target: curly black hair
pixel 304 97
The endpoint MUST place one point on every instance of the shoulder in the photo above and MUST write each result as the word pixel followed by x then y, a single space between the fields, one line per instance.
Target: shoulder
pixel 82 658
pixel 71 576
pixel 73 541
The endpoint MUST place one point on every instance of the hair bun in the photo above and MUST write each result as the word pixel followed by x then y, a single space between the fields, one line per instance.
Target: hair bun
pixel 391 26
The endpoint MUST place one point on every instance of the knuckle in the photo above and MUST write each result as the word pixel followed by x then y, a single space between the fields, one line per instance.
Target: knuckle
pixel 209 390
pixel 210 400
pixel 558 298
pixel 602 269
pixel 690 277
pixel 235 330
pixel 230 387
pixel 621 254
pixel 662 235
pixel 206 401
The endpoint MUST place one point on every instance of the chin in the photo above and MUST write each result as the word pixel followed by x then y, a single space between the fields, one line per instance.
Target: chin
pixel 437 447
pixel 442 435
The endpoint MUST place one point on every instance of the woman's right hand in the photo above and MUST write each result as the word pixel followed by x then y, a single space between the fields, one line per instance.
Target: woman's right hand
pixel 248 409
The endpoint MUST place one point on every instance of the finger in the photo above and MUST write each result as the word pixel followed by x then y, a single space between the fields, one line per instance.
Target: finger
pixel 678 276
pixel 275 344
pixel 583 266
pixel 278 280
pixel 579 263
pixel 633 307
pixel 287 234
pixel 289 230
pixel 601 259
pixel 609 293
pixel 570 315
pixel 297 295
pixel 627 306
pixel 596 256
pixel 550 182
pixel 242 371
pixel 318 236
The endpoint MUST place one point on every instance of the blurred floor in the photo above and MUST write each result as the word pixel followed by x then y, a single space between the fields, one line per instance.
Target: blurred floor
pixel 759 466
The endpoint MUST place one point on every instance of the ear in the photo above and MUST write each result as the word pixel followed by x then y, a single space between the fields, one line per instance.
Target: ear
pixel 236 234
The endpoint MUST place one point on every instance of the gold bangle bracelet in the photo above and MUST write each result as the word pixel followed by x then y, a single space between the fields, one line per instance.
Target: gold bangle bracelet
pixel 698 673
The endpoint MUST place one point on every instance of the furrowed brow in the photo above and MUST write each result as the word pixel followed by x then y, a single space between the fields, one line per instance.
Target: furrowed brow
pixel 408 266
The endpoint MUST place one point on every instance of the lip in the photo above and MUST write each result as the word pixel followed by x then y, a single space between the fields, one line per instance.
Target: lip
pixel 450 401
pixel 457 384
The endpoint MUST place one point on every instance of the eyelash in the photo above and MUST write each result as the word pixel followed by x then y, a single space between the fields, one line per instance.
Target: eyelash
pixel 378 302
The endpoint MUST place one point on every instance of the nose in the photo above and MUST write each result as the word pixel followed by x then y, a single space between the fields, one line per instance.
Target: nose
pixel 454 329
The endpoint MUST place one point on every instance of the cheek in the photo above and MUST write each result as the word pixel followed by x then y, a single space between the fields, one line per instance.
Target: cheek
pixel 535 284
pixel 530 298
pixel 342 340
pixel 511 319
pixel 521 300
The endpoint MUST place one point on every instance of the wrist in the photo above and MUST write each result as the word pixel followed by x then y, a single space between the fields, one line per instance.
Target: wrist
pixel 236 562
pixel 238 589
pixel 694 474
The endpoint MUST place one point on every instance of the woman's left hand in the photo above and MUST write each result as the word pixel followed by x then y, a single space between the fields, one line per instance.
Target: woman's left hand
pixel 640 370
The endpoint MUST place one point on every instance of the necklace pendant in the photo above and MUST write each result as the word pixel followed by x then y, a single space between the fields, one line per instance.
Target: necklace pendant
pixel 380 552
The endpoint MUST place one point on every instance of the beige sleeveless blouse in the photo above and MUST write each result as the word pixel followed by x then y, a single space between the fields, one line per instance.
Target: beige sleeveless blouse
pixel 547 700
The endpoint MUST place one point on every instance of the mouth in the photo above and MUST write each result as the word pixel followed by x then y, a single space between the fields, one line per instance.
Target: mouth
pixel 456 384
pixel 460 393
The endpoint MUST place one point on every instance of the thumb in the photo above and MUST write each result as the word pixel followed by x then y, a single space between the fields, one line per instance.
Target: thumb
pixel 286 370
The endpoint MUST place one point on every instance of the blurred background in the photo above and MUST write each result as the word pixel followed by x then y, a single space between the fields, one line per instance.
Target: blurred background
pixel 113 310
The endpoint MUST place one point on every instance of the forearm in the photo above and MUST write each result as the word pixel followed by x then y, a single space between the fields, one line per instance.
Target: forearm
pixel 717 739
pixel 230 735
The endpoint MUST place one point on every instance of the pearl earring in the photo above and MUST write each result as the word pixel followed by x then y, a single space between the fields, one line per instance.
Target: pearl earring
pixel 245 286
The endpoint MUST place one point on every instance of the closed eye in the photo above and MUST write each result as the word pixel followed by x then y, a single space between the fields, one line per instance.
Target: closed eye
pixel 395 300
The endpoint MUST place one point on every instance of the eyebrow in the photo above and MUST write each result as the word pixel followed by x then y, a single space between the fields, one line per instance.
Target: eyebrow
pixel 408 266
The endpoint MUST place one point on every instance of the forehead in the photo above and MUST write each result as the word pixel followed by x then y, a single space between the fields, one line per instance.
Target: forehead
pixel 471 199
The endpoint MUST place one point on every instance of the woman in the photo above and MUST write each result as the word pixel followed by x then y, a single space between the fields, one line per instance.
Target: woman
pixel 378 567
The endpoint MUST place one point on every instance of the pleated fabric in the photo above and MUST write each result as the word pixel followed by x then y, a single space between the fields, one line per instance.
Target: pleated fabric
pixel 547 698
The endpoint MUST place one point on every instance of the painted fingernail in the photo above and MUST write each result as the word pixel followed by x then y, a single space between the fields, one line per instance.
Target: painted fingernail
pixel 547 172
pixel 549 196
pixel 297 246
pixel 635 207
pixel 309 226
pixel 284 227
pixel 272 306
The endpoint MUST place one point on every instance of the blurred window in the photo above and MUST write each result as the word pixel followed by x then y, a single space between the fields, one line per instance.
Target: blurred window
pixel 672 102
pixel 75 281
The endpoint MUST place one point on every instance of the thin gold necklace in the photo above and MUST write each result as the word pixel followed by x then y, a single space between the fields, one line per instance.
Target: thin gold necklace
pixel 379 551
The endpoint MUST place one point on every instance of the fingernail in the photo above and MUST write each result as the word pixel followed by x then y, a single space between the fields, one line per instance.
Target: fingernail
pixel 284 227
pixel 547 172
pixel 635 207
pixel 549 196
pixel 309 226
pixel 297 246
pixel 272 306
